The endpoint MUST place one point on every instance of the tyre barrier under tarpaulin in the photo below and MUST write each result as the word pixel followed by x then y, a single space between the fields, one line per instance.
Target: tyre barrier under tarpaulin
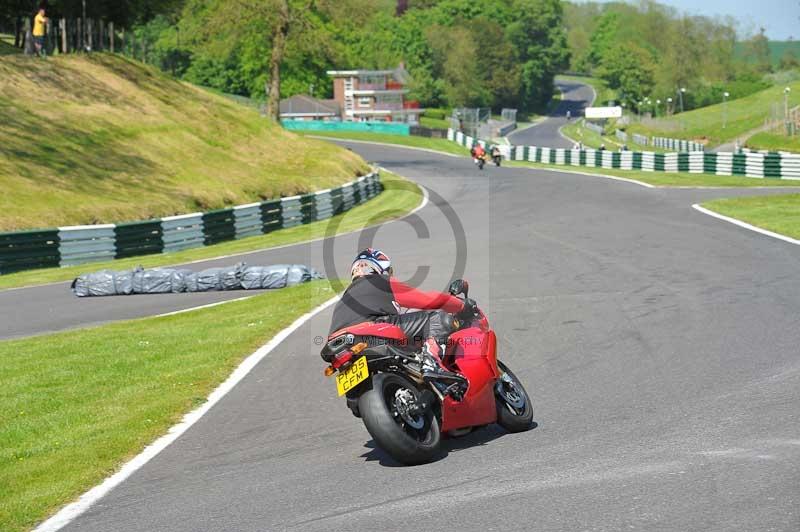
pixel 67 246
pixel 179 280
pixel 763 165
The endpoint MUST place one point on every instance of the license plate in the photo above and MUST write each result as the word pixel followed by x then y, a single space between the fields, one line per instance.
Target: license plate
pixel 352 376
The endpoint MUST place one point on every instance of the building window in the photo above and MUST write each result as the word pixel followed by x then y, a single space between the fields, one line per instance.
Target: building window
pixel 364 101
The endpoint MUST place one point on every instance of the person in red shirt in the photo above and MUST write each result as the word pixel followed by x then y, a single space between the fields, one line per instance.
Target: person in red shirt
pixel 376 296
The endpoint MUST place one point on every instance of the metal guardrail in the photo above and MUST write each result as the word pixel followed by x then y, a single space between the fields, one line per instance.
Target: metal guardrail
pixel 66 246
pixel 676 144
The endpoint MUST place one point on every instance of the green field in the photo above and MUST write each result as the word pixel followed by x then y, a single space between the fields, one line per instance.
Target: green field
pixel 101 138
pixel 773 142
pixel 667 179
pixel 779 214
pixel 398 198
pixel 743 115
pixel 442 145
pixel 75 405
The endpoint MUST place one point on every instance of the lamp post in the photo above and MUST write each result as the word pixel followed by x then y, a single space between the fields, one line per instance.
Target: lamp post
pixel 658 102
pixel 786 92
pixel 680 95
pixel 639 110
pixel 669 106
pixel 725 108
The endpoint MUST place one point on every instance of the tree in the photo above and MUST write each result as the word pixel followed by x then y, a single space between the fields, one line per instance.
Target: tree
pixel 757 49
pixel 603 37
pixel 629 69
pixel 540 43
pixel 455 55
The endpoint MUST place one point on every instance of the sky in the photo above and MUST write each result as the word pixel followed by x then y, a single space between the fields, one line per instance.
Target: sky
pixel 780 18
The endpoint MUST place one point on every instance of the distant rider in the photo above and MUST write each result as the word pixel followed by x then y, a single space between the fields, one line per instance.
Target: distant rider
pixel 376 296
pixel 478 152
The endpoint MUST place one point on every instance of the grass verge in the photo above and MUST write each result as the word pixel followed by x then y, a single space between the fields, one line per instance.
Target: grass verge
pixel 398 198
pixel 773 142
pixel 668 179
pixel 442 145
pixel 779 214
pixel 75 405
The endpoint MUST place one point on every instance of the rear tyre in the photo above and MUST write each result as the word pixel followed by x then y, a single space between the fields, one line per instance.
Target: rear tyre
pixel 408 439
pixel 514 407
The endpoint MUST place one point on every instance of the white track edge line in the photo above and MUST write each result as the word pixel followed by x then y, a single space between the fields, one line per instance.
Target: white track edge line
pixel 209 305
pixel 745 225
pixel 75 509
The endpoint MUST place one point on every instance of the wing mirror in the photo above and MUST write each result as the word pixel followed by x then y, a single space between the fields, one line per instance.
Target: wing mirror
pixel 459 286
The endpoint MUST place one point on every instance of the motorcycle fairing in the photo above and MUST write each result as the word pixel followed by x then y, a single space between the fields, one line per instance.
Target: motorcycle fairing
pixel 473 351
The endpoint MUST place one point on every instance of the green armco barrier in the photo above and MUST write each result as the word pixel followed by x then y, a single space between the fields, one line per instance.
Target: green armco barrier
pixel 219 226
pixel 66 246
pixel 392 128
pixel 29 249
pixel 138 238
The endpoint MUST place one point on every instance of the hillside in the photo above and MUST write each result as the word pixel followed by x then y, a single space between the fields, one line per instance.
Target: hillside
pixel 101 138
pixel 743 115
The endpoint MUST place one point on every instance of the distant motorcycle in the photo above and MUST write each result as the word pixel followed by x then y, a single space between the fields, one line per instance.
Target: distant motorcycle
pixel 480 160
pixel 496 157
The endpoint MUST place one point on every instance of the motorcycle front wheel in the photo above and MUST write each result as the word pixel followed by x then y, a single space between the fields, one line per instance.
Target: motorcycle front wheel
pixel 514 407
pixel 409 439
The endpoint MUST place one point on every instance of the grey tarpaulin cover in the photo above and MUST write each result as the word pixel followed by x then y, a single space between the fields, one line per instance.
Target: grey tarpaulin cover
pixel 169 280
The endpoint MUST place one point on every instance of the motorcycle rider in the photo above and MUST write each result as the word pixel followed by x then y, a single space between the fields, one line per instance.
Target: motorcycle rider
pixel 375 296
pixel 478 152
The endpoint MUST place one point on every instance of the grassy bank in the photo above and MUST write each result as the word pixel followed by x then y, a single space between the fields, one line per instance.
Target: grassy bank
pixel 743 115
pixel 668 179
pixel 442 145
pixel 780 214
pixel 101 138
pixel 74 406
pixel 773 142
pixel 398 198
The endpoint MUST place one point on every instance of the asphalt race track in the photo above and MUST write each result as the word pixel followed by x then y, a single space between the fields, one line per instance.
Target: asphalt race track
pixel 660 346
pixel 575 97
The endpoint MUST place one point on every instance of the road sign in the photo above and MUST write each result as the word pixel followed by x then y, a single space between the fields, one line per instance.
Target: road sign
pixel 604 112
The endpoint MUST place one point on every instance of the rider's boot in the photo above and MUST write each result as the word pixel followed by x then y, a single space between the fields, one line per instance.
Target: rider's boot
pixel 446 381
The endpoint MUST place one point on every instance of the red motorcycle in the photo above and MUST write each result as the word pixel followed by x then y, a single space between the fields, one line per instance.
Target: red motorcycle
pixel 379 371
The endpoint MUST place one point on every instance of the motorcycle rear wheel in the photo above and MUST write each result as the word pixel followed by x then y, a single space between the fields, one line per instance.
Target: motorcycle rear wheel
pixel 409 440
pixel 514 407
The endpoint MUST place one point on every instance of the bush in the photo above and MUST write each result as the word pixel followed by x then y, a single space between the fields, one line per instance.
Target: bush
pixel 437 114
